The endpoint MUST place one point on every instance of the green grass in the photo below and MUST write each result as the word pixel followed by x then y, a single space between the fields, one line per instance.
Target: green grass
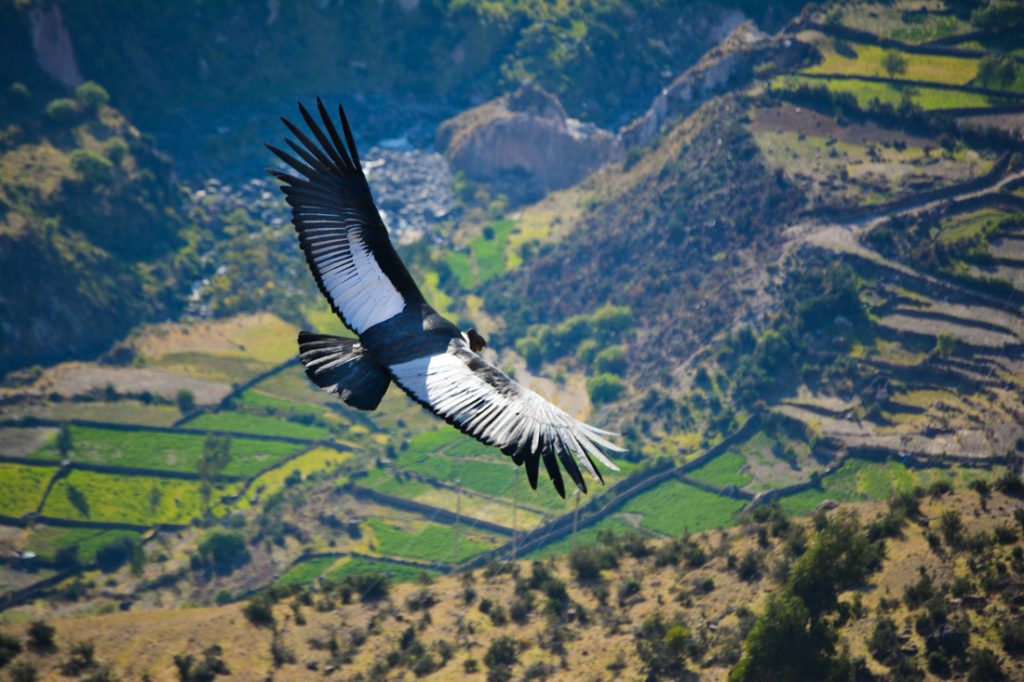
pixel 210 367
pixel 47 540
pixel 587 536
pixel 250 423
pixel 865 91
pixel 307 571
pixel 673 507
pixel 966 226
pixel 723 471
pixel 432 542
pixel 432 441
pixel 171 451
pixel 255 398
pixel 856 480
pixel 127 499
pixel 470 447
pixel 384 482
pixel 396 572
pixel 22 487
pixel 486 258
pixel 921 67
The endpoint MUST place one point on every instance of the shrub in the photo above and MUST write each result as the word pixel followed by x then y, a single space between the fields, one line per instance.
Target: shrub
pixel 611 360
pixel 18 95
pixel 40 637
pixel 260 610
pixel 1011 634
pixel 502 653
pixel 61 110
pixel 94 169
pixel 24 672
pixel 588 561
pixel 10 647
pixel 222 552
pixel 81 658
pixel 116 553
pixel 115 149
pixel 985 667
pixel 185 400
pixel 605 388
pixel 92 95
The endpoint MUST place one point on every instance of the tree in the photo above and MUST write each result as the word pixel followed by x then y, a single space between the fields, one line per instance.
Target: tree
pixel 92 95
pixel 663 647
pixel 40 637
pixel 945 344
pixel 997 72
pixel 10 647
pixel 116 553
pixel 216 455
pixel 94 168
pixel 605 388
pixel 65 443
pixel 61 110
pixel 185 400
pixel 501 656
pixel 784 644
pixel 894 64
pixel 223 552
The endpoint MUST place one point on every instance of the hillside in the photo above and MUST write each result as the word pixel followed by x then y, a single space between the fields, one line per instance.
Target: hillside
pixel 790 272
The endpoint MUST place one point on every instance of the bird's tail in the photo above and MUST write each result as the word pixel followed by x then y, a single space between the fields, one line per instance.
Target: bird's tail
pixel 342 367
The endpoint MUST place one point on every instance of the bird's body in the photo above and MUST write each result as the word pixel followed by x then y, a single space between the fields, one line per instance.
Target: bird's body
pixel 401 338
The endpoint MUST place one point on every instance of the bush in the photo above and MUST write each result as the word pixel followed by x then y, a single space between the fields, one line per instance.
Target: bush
pixel 663 646
pixel 985 667
pixel 611 360
pixel 884 643
pixel 24 672
pixel 40 637
pixel 1011 634
pixel 260 611
pixel 185 400
pixel 115 149
pixel 18 95
pixel 92 95
pixel 588 561
pixel 605 388
pixel 10 647
pixel 502 653
pixel 62 110
pixel 94 169
pixel 116 553
pixel 222 552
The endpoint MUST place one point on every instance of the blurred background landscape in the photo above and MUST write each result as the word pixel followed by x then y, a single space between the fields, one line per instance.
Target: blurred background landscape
pixel 779 246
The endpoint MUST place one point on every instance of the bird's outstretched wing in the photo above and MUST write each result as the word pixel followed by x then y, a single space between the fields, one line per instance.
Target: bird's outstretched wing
pixel 340 231
pixel 480 400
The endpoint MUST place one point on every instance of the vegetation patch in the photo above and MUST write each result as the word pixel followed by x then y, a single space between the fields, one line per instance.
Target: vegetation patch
pixel 241 422
pixel 22 487
pixel 144 500
pixel 723 471
pixel 674 508
pixel 429 542
pixel 48 541
pixel 305 572
pixel 398 573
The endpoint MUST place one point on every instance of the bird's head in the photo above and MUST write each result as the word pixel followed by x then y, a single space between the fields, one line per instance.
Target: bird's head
pixel 476 342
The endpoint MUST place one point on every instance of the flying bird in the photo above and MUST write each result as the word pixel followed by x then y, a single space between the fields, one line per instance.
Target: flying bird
pixel 401 339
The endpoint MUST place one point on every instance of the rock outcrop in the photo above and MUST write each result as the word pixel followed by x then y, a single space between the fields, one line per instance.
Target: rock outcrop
pixel 745 53
pixel 524 145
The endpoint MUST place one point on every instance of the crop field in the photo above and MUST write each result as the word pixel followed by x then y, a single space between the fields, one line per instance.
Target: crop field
pixel 115 412
pixel 262 338
pixel 856 480
pixel 255 398
pixel 929 99
pixel 241 422
pixel 319 459
pixel 46 541
pixel 307 571
pixel 723 471
pixel 292 384
pixel 22 487
pixel 967 226
pixel 673 508
pixel 426 542
pixel 855 59
pixel 171 451
pixel 432 441
pixel 587 536
pixel 361 566
pixel 141 500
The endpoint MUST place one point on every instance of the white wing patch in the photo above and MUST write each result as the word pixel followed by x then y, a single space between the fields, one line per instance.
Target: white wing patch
pixel 352 277
pixel 498 411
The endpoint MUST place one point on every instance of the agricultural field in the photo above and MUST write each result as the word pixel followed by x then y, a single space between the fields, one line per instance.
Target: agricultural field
pixel 430 542
pixel 242 422
pixel 909 21
pixel 484 257
pixel 674 508
pixel 319 460
pixel 163 450
pixel 854 59
pixel 22 487
pixel 142 500
pixel 866 92
pixel 46 541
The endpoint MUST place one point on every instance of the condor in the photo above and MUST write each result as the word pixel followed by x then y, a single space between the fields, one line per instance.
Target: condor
pixel 401 338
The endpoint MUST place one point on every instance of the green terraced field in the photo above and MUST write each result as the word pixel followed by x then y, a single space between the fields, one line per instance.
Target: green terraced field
pixel 258 399
pixel 397 573
pixel 307 571
pixel 674 508
pixel 384 482
pixel 867 61
pixel 432 441
pixel 929 99
pixel 47 540
pixel 432 542
pixel 587 536
pixel 855 480
pixel 128 499
pixel 22 487
pixel 486 258
pixel 250 423
pixel 723 471
pixel 171 451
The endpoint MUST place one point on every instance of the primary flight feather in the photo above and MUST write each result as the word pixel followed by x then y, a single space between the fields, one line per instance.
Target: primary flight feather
pixel 401 338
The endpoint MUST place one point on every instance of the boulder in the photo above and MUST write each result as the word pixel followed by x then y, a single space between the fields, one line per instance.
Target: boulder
pixel 524 145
